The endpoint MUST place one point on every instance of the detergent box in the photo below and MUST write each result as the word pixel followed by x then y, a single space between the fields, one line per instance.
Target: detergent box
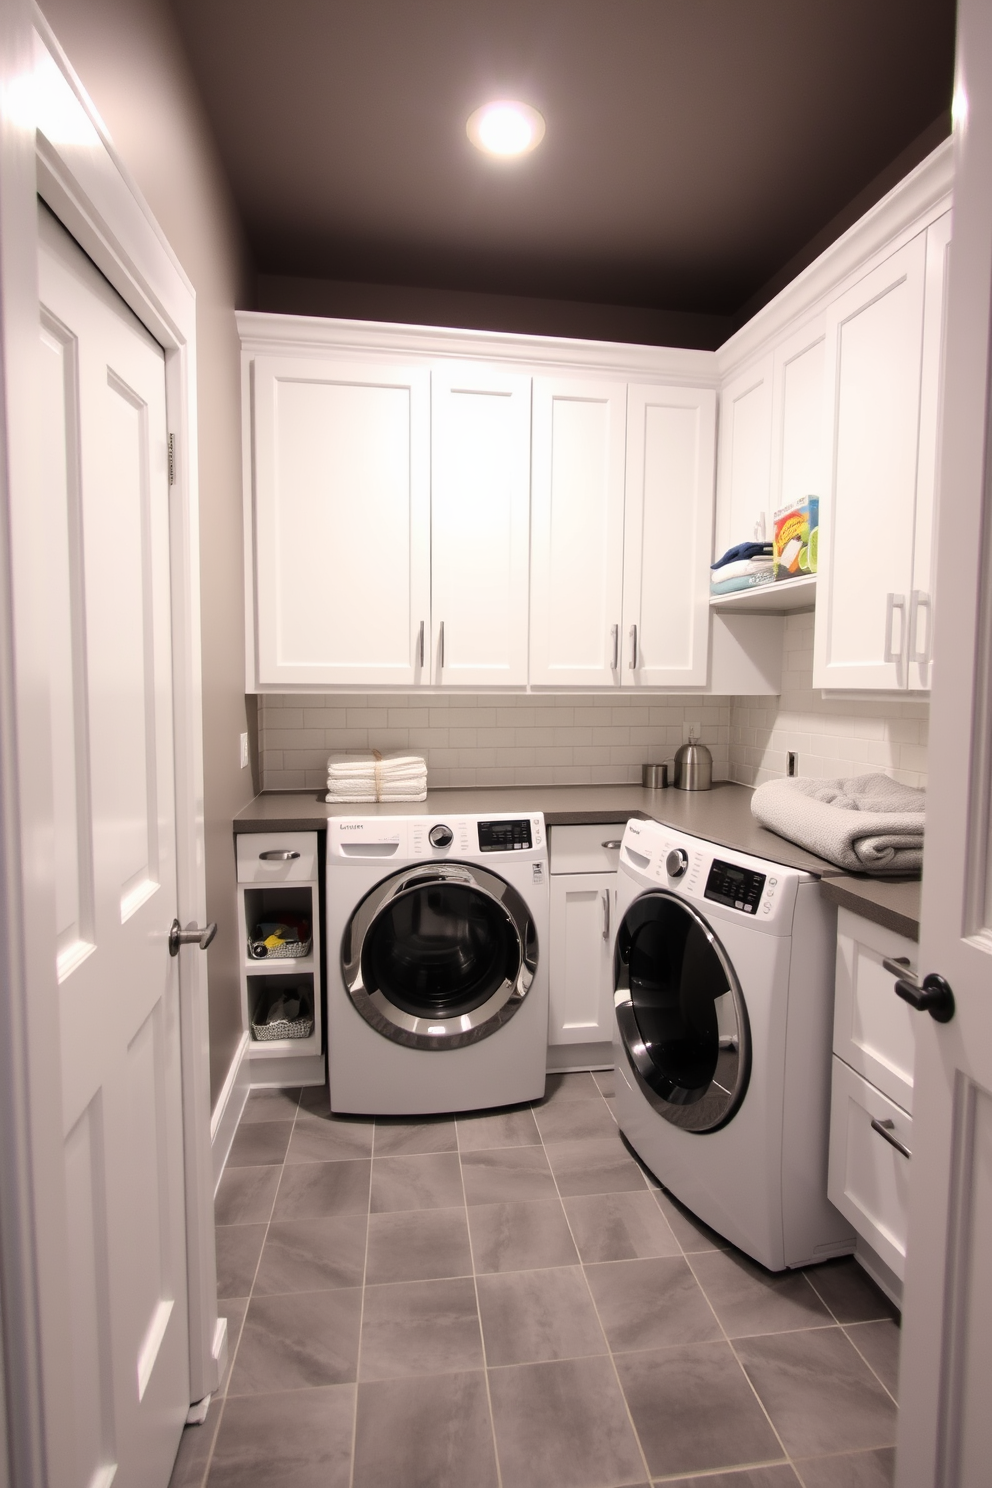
pixel 795 539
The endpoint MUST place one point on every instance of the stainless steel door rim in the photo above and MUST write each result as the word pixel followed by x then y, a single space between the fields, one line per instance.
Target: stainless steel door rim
pixel 440 1032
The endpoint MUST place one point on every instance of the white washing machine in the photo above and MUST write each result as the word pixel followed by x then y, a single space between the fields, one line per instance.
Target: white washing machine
pixel 437 983
pixel 724 971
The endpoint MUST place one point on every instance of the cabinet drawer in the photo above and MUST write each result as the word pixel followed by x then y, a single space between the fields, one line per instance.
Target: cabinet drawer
pixel 874 1031
pixel 255 867
pixel 585 849
pixel 868 1178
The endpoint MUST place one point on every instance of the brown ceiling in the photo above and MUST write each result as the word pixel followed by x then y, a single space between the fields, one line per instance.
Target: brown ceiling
pixel 693 146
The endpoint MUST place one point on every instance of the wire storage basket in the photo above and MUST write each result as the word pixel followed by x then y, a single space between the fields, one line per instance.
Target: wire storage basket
pixel 288 950
pixel 267 1030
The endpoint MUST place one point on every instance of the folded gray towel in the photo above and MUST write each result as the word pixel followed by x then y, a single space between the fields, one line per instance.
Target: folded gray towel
pixel 869 824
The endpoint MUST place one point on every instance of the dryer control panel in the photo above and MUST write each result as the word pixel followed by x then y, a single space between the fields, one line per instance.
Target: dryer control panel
pixel 730 883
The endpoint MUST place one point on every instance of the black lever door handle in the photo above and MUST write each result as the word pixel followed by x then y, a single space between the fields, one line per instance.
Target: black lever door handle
pixel 933 996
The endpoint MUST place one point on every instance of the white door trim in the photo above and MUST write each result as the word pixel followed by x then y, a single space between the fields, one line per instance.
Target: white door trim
pixel 52 143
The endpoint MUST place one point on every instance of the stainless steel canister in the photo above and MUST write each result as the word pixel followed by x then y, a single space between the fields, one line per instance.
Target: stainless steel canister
pixel 693 767
pixel 654 777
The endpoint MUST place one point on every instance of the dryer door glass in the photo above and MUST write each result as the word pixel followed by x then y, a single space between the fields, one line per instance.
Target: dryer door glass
pixel 680 1013
pixel 440 951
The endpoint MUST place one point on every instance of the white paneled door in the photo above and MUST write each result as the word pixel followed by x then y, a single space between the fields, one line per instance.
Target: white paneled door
pixel 480 519
pixel 342 522
pixel 577 532
pixel 668 531
pixel 107 489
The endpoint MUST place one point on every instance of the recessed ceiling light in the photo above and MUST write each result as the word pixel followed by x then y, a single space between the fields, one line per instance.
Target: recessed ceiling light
pixel 505 128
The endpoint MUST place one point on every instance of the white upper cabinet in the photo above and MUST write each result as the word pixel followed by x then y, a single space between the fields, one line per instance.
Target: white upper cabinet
pixel 798 465
pixel 668 532
pixel 577 527
pixel 480 514
pixel 341 521
pixel 744 501
pixel 873 380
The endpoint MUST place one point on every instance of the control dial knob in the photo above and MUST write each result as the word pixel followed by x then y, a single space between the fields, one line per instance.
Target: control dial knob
pixel 677 862
pixel 440 836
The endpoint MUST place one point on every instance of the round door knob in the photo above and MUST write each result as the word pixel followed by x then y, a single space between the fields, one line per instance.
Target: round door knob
pixel 440 836
pixel 677 862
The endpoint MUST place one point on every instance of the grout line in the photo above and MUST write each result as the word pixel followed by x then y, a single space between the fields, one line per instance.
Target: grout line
pixel 874 1371
pixel 361 1316
pixel 478 1310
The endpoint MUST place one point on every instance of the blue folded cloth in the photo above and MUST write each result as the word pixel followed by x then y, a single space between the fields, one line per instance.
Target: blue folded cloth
pixel 744 550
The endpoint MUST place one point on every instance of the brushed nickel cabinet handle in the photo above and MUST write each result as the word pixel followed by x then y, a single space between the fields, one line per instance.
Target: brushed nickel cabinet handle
pixel 606 914
pixel 633 648
pixel 423 627
pixel 614 842
pixel 278 855
pixel 615 633
pixel 885 1129
pixel 440 661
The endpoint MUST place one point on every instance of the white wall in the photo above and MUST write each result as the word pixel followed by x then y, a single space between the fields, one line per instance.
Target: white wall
pixel 833 737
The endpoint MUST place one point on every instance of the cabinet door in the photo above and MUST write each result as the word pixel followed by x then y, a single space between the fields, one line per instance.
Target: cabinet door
pixel 480 514
pixel 797 424
pixel 577 532
pixel 873 375
pixel 581 959
pixel 920 604
pixel 668 529
pixel 867 1175
pixel 744 502
pixel 341 521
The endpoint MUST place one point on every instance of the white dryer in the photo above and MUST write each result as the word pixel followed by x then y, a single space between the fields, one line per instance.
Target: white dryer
pixel 724 970
pixel 437 986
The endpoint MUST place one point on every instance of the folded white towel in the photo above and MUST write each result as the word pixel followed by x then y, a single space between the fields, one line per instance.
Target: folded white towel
pixel 361 790
pixel 868 824
pixel 740 568
pixel 367 767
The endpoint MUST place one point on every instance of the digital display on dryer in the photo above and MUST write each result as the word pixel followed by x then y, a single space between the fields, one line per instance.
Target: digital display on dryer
pixel 504 836
pixel 739 888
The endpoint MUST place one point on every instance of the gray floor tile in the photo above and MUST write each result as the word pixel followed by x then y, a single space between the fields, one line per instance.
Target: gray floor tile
pixel 433 1181
pixel 691 1233
pixel 694 1410
pixel 259 1144
pixel 296 1440
pixel 425 1432
pixel 298 1342
pixel 418 1246
pixel 318 1190
pixel 620 1227
pixel 233 1309
pixel 747 1299
pixel 563 1423
pixel 568 1088
pixel 270 1105
pixel 245 1195
pixel 316 1098
pixel 238 1250
pixel 574 1121
pixel 513 1128
pixel 879 1344
pixel 819 1392
pixel 323 1139
pixel 606 1080
pixel 597 1165
pixel 529 1316
pixel 849 1291
pixel 507 1174
pixel 852 1470
pixel 650 1304
pixel 520 1236
pixel 195 1445
pixel 781 1475
pixel 312 1255
pixel 420 1327
pixel 394 1138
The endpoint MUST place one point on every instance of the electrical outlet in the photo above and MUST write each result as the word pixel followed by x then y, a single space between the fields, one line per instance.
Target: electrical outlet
pixel 792 765
pixel 691 733
pixel 245 759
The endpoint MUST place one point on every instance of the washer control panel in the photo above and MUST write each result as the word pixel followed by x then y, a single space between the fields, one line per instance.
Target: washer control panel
pixel 505 836
pixel 734 885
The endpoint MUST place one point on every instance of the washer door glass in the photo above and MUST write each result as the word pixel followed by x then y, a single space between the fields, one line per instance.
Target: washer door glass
pixel 680 1013
pixel 440 957
pixel 440 950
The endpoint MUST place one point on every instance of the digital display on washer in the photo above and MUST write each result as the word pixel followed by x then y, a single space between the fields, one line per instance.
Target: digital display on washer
pixel 740 888
pixel 504 836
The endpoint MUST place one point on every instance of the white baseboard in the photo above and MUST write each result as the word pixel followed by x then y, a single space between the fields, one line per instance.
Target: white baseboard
pixel 568 1058
pixel 230 1104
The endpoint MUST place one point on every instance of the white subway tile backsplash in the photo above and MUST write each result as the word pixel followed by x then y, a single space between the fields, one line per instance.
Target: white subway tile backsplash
pixel 561 739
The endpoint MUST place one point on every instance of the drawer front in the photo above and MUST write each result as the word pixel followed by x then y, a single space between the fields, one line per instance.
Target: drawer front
pixel 255 867
pixel 868 1178
pixel 586 849
pixel 874 1030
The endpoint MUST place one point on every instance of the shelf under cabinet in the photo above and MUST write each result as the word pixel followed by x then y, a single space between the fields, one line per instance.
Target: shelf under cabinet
pixel 789 597
pixel 284 966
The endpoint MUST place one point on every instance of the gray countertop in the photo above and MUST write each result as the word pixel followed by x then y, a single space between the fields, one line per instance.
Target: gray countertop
pixel 722 814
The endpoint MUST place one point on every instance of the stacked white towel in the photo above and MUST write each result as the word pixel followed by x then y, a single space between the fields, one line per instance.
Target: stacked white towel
pixel 376 777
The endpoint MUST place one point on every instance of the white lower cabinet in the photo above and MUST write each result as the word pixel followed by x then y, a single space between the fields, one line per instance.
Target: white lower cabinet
pixel 871 1125
pixel 583 910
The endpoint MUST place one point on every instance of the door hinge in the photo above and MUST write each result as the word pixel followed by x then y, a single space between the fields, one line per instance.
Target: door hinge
pixel 172 459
